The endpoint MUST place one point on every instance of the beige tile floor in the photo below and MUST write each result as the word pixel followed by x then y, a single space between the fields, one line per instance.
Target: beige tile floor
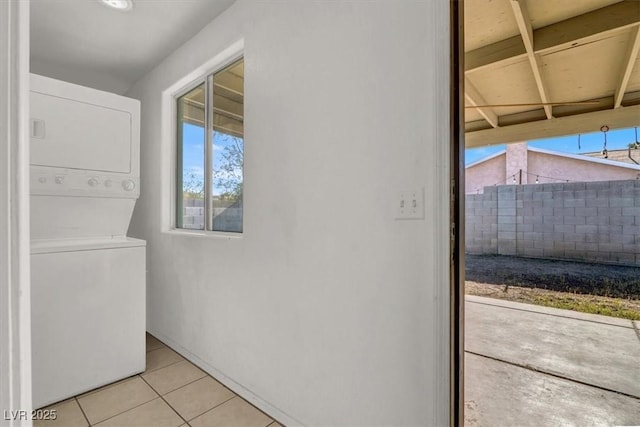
pixel 172 392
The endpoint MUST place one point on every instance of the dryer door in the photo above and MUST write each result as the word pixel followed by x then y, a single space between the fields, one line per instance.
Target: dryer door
pixel 67 133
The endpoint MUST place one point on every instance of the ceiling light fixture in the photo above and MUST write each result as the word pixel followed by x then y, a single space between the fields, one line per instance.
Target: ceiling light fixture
pixel 122 5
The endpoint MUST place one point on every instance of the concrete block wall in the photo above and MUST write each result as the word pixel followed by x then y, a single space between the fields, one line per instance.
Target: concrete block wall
pixel 227 218
pixel 193 214
pixel 587 221
pixel 506 220
pixel 482 222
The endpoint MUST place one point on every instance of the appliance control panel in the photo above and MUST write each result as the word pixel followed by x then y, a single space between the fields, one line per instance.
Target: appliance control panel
pixel 48 181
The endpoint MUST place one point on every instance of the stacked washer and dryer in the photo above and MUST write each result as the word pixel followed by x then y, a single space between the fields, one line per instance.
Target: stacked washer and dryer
pixel 87 276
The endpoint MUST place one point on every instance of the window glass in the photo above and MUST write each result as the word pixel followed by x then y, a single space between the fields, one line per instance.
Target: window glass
pixel 228 148
pixel 210 164
pixel 191 164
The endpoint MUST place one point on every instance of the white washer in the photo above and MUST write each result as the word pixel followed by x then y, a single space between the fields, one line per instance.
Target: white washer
pixel 87 277
pixel 87 316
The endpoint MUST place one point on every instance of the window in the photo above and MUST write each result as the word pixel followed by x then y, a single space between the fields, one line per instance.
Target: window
pixel 210 152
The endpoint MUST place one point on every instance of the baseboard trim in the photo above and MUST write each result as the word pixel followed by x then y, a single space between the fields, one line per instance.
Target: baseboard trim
pixel 242 391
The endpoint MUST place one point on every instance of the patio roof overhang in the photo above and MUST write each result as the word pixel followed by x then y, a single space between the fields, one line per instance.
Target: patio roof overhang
pixel 545 68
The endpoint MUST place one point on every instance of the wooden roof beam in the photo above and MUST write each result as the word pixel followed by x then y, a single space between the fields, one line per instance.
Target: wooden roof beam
pixel 474 98
pixel 600 22
pixel 563 34
pixel 558 126
pixel 630 61
pixel 526 31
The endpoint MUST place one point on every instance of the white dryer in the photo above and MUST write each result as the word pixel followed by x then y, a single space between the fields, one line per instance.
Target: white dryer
pixel 87 276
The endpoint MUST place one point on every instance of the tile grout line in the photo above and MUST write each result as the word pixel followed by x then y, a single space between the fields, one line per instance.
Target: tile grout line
pixel 222 403
pixel 105 387
pixel 260 410
pixel 130 409
pixel 214 407
pixel 211 409
pixel 162 367
pixel 247 402
pixel 194 381
pixel 158 395
pixel 167 403
pixel 123 412
pixel 217 406
pixel 562 377
pixel 82 410
pixel 149 350
pixel 554 315
pixel 211 376
pixel 241 398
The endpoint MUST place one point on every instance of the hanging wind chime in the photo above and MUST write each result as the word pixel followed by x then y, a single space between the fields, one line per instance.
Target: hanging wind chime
pixel 604 129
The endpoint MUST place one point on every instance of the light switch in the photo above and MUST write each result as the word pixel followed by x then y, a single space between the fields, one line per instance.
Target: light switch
pixel 410 204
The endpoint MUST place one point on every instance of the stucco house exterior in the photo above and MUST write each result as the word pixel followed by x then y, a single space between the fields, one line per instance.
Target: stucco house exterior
pixel 522 164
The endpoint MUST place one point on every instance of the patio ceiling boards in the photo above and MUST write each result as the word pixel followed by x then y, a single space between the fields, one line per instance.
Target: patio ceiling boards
pixel 543 68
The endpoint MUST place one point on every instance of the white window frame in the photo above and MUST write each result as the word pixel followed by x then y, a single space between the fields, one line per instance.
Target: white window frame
pixel 169 149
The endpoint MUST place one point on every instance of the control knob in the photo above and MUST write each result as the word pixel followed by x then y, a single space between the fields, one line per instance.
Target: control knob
pixel 108 183
pixel 128 185
pixel 92 182
pixel 59 179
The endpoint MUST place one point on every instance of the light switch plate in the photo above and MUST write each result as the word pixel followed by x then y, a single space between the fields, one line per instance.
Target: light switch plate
pixel 410 204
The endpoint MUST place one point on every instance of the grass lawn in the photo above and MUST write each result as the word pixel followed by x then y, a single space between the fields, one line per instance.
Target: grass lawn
pixel 617 307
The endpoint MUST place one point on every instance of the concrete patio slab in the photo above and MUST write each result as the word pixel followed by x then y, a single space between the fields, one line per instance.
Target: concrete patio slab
pixel 550 310
pixel 591 349
pixel 499 394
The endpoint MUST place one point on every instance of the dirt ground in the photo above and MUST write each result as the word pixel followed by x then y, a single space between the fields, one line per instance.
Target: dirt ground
pixel 591 288
pixel 606 306
pixel 565 276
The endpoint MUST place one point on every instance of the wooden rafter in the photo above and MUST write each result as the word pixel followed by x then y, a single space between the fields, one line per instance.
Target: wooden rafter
pixel 632 54
pixel 559 126
pixel 534 104
pixel 474 98
pixel 526 32
pixel 561 35
pixel 617 21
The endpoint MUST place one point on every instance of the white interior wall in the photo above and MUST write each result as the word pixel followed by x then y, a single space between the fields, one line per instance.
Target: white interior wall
pixel 15 323
pixel 327 311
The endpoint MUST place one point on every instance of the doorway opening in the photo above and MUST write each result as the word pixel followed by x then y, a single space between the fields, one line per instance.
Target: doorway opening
pixel 551 203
